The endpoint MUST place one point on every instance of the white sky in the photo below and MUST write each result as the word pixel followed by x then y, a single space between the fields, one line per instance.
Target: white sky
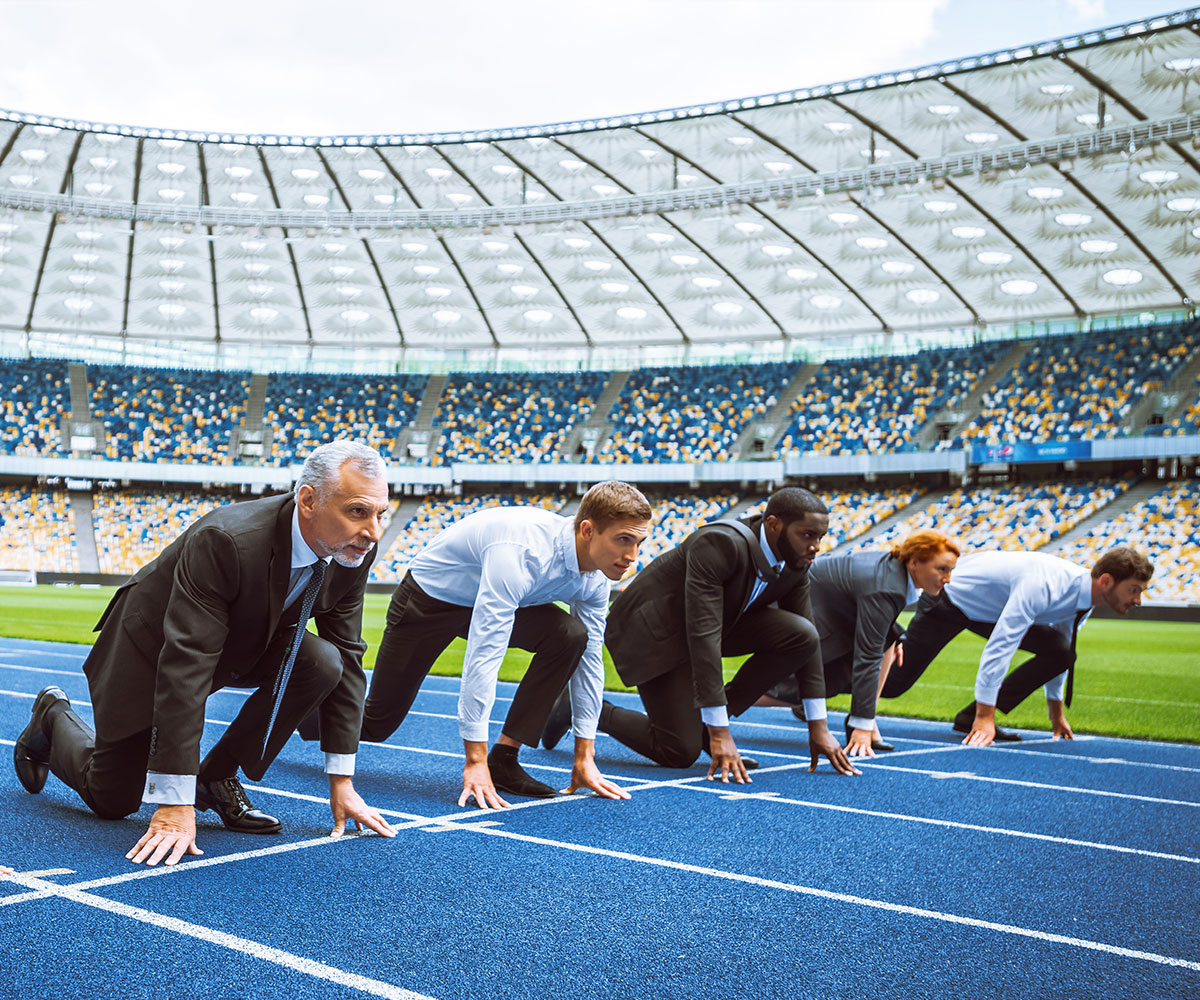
pixel 383 66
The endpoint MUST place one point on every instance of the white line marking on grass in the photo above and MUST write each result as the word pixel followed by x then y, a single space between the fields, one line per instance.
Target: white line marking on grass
pixel 842 897
pixel 966 776
pixel 951 824
pixel 255 949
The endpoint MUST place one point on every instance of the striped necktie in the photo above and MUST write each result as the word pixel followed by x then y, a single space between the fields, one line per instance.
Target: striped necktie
pixel 285 671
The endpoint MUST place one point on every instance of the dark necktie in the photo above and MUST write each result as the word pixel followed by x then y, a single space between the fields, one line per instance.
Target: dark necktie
pixel 1079 615
pixel 285 671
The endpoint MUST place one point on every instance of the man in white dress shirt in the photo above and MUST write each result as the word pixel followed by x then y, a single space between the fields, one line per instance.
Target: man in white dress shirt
pixel 1017 600
pixel 493 578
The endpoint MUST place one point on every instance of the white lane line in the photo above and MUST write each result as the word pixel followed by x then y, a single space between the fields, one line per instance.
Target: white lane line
pixel 41 670
pixel 1078 696
pixel 968 776
pixel 254 949
pixel 841 897
pixel 951 824
pixel 1103 760
pixel 80 656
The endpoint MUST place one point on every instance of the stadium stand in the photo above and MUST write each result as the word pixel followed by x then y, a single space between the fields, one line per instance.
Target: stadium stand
pixel 134 526
pixel 37 530
pixel 434 514
pixel 676 517
pixel 851 512
pixel 34 397
pixel 879 404
pixel 516 418
pixel 1013 516
pixel 690 414
pixel 1081 386
pixel 1164 526
pixel 167 415
pixel 307 410
pixel 1188 422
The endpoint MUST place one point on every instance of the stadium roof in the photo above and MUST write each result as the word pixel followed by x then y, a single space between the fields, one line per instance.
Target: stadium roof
pixel 1055 180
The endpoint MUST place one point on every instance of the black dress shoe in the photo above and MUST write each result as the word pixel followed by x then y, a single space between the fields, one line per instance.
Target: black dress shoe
pixel 558 723
pixel 509 776
pixel 963 725
pixel 31 752
pixel 227 798
pixel 798 712
pixel 749 763
pixel 877 745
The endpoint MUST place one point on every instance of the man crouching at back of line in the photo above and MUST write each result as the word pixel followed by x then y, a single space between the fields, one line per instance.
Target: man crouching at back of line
pixel 494 577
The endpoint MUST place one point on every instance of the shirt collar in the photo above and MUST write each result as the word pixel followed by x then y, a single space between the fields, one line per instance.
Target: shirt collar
pixel 1084 600
pixel 766 546
pixel 564 548
pixel 302 555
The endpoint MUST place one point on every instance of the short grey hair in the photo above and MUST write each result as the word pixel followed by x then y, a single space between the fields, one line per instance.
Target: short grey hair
pixel 323 467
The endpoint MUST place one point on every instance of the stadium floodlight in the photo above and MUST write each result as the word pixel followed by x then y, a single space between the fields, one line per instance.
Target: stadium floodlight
pixel 921 297
pixel 897 268
pixel 1184 205
pixel 1045 193
pixel 1123 277
pixel 801 274
pixel 1158 178
pixel 1098 246
pixel 1073 220
pixel 994 258
pixel 1019 287
pixel 825 301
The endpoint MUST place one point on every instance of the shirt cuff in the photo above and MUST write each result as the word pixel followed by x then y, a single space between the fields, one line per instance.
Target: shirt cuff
pixel 170 789
pixel 715 715
pixel 339 763
pixel 858 722
pixel 1055 686
pixel 814 709
pixel 585 730
pixel 473 732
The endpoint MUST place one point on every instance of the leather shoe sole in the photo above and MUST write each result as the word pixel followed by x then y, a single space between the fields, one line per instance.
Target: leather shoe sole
pixel 31 752
pixel 236 812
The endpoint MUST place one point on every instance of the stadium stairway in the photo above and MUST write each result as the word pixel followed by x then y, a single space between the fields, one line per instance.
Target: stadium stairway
pixel 251 443
pixel 85 535
pixel 596 424
pixel 748 444
pixel 1118 506
pixel 918 505
pixel 400 518
pixel 1182 387
pixel 422 425
pixel 948 424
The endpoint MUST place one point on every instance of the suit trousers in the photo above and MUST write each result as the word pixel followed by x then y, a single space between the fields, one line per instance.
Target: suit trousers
pixel 937 621
pixel 110 775
pixel 420 627
pixel 671 733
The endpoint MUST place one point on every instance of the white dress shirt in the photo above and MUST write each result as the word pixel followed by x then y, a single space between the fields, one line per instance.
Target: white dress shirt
pixel 180 789
pixel 496 561
pixel 814 708
pixel 1016 590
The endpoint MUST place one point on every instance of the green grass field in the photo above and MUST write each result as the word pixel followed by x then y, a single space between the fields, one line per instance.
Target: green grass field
pixel 1136 678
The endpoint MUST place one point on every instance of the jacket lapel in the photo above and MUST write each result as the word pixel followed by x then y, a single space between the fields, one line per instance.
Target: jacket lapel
pixel 279 569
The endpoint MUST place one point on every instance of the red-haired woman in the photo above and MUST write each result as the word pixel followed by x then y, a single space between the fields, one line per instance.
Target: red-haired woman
pixel 856 598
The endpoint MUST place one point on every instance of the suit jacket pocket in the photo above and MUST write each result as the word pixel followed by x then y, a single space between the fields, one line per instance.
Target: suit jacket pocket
pixel 146 640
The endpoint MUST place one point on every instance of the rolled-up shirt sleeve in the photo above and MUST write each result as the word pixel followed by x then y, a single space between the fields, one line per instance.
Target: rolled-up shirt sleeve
pixel 587 683
pixel 502 583
pixel 1022 607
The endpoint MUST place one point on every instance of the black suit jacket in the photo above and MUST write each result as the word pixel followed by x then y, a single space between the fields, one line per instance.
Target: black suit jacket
pixel 677 610
pixel 200 616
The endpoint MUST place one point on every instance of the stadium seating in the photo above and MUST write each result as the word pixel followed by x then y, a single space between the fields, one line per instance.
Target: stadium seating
pixel 34 397
pixel 1166 528
pixel 134 526
pixel 880 404
pixel 690 414
pixel 434 514
pixel 1081 386
pixel 307 410
pixel 851 512
pixel 167 415
pixel 1012 516
pixel 1187 422
pixel 513 418
pixel 37 530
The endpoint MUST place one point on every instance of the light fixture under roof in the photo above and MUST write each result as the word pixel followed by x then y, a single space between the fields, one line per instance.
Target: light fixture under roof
pixel 256 268
pixel 348 291
pixel 1045 193
pixel 85 259
pixel 741 142
pixel 341 271
pixel 428 270
pixel 437 174
pixel 371 175
pixel 243 197
pixel 1158 177
pixel 572 166
pixel 33 156
pixel 459 198
pixel 263 314
pixel 85 279
pixel 842 218
pixel 896 268
pixel 876 154
pixel 259 289
pixel 605 190
pixel 331 247
pixel 239 173
pixel 994 258
pixel 355 317
pixel 302 174
pixel 170 143
pixel 1073 220
pixel 940 206
pixel 598 266
pixel 22 180
pixel 172 286
pixel 631 313
pixel 102 163
pixel 171 169
pixel 7 228
pixel 438 292
pixel 838 129
pixel 981 138
pixel 1091 119
pixel 508 269
pixel 1183 65
pixel 576 243
pixel 660 239
pixel 494 246
pixel 96 189
pixel 922 296
pixel 538 315
pixel 1184 205
pixel 504 169
pixel 706 283
pixel 945 111
pixel 726 310
pixel 777 167
pixel 1018 287
pixel 384 199
pixel 684 259
pixel 444 317
pixel 89 236
pixel 523 291
pixel 171 195
pixel 969 233
pixel 825 301
pixel 1098 246
pixel 413 248
pixel 748 228
pixel 1123 277
pixel 78 304
pixel 316 200
pixel 1057 89
pixel 171 310
pixel 871 243
pixel 801 274
pixel 776 252
pixel 614 287
pixel 170 242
